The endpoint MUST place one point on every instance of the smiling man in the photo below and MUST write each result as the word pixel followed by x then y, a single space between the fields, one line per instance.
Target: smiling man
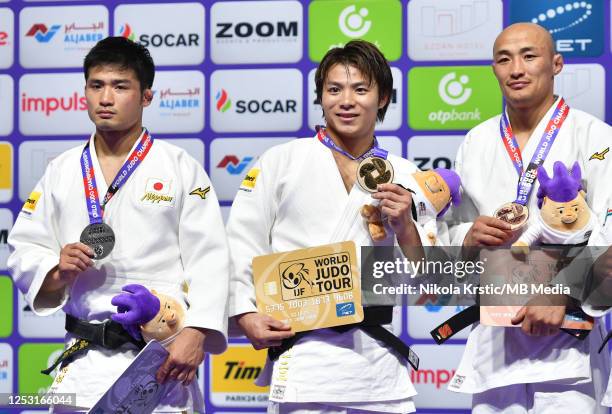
pixel 122 209
pixel 532 368
pixel 304 194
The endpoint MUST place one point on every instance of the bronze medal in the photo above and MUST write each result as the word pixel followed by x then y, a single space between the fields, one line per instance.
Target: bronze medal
pixel 513 213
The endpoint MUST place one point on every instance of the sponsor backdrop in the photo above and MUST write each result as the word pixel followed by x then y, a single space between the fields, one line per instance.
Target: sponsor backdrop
pixel 237 77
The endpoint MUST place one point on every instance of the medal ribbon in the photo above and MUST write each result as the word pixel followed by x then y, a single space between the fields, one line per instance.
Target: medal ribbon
pixel 374 151
pixel 528 176
pixel 95 209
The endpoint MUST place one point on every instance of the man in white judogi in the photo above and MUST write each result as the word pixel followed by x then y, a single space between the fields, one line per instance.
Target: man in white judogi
pixel 167 226
pixel 303 194
pixel 534 369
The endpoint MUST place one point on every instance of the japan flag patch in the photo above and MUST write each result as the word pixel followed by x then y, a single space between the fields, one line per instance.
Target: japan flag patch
pixel 158 192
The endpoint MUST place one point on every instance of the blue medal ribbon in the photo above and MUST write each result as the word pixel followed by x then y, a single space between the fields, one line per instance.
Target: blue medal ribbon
pixel 374 151
pixel 95 209
pixel 528 176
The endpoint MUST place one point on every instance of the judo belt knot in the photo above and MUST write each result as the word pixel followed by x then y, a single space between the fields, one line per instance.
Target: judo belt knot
pixel 108 334
pixel 374 317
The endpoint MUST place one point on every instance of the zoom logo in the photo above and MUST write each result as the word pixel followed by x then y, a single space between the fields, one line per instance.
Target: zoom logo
pixel 453 91
pixel 352 23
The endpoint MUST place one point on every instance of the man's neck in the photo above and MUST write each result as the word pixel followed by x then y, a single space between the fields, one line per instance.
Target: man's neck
pixel 356 146
pixel 524 120
pixel 116 143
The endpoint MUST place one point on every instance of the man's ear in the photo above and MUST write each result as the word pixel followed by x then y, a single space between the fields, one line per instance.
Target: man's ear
pixel 382 101
pixel 147 97
pixel 557 63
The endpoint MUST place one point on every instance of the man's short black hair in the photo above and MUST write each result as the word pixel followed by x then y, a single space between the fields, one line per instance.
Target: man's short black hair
pixel 122 52
pixel 368 60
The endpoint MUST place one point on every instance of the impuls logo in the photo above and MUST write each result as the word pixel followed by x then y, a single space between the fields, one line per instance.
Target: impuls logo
pixel 126 31
pixel 50 104
pixel 583 9
pixel 233 165
pixel 452 91
pixel 436 377
pixel 40 32
pixel 352 23
pixel 223 101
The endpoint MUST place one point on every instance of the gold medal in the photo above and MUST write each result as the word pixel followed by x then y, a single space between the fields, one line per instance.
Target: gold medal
pixel 373 171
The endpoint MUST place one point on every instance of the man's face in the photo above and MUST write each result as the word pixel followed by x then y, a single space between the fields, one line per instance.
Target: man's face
pixel 350 103
pixel 114 99
pixel 524 65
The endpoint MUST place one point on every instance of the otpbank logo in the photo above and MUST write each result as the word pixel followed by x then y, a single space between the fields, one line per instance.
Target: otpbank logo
pixel 56 37
pixel 41 33
pixel 447 98
pixel 577 27
pixel 335 22
pixel 52 104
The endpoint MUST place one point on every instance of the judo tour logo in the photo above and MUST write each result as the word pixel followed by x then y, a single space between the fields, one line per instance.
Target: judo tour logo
pixel 316 276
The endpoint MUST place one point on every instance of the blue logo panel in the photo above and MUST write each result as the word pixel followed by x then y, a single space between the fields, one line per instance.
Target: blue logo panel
pixel 576 26
pixel 345 309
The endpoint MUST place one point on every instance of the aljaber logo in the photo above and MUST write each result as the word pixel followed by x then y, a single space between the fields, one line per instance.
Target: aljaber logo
pixel 223 101
pixel 577 27
pixel 233 165
pixel 452 91
pixel 40 32
pixel 126 31
pixel 353 23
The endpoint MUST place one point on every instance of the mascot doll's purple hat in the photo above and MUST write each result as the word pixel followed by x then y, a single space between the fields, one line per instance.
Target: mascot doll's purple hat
pixel 562 187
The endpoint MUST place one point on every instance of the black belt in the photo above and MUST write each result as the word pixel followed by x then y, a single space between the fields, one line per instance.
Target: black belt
pixel 108 334
pixel 374 317
pixel 468 316
pixel 605 341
